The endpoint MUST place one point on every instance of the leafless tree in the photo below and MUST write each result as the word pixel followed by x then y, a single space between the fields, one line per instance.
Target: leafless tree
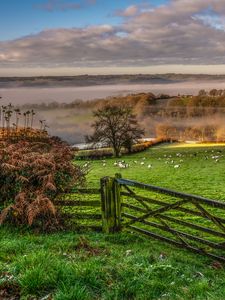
pixel 115 126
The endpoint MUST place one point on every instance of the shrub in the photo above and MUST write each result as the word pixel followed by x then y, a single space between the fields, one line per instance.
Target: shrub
pixel 94 153
pixel 31 175
pixel 142 146
pixel 103 153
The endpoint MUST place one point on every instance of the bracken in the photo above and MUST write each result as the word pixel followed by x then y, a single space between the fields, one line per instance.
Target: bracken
pixel 31 176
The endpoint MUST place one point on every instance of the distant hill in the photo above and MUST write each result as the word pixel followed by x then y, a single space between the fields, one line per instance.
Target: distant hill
pixel 92 80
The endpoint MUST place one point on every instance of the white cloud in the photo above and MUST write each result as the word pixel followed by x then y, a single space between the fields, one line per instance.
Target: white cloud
pixel 176 33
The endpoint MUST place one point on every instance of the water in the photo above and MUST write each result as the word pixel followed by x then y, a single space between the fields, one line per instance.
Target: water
pixel 23 95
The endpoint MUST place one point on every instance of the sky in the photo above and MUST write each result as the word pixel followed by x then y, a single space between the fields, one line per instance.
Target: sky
pixel 70 37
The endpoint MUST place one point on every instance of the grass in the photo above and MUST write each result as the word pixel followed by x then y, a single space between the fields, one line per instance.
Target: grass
pixel 68 265
pixel 122 266
pixel 198 172
pixel 196 145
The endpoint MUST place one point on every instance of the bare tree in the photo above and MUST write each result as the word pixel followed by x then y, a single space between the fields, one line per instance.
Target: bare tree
pixel 32 118
pixel 18 113
pixel 115 126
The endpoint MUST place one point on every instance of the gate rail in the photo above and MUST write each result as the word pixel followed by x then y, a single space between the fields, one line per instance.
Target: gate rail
pixel 187 221
pixel 184 220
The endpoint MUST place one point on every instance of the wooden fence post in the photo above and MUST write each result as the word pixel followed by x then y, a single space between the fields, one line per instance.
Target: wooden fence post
pixel 111 204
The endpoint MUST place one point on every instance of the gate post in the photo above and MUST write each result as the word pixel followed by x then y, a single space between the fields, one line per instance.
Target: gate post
pixel 111 204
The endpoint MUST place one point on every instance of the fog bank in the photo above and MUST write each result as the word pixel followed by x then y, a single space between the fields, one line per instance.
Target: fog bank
pixel 23 95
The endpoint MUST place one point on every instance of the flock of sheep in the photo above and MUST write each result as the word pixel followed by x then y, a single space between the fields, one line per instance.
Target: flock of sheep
pixel 174 160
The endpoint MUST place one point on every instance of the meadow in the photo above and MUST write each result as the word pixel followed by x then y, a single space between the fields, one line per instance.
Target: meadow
pixel 70 265
pixel 190 168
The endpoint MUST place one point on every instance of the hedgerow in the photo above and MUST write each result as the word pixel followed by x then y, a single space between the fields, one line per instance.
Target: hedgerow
pixel 108 152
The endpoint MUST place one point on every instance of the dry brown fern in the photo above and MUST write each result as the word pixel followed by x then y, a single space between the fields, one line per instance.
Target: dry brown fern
pixel 4 214
pixel 32 173
pixel 41 205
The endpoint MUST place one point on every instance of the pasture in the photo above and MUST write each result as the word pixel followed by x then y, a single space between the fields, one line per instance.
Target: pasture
pixel 69 265
pixel 190 168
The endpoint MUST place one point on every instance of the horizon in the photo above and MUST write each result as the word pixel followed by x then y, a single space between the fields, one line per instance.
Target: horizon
pixel 76 37
pixel 116 73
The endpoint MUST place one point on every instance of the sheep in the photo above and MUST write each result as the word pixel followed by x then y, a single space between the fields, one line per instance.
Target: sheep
pixel 123 165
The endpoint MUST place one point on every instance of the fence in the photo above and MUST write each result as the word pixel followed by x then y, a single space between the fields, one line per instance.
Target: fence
pixel 78 210
pixel 184 220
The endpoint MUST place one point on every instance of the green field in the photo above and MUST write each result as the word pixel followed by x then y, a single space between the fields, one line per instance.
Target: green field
pixel 198 172
pixel 69 265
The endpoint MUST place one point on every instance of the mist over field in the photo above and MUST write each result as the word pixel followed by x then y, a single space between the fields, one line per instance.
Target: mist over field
pixel 23 95
pixel 184 117
pixel 51 98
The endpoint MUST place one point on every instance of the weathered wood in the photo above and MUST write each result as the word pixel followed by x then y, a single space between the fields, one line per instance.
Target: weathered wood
pixel 191 241
pixel 175 232
pixel 210 216
pixel 118 201
pixel 158 211
pixel 162 203
pixel 164 223
pixel 173 193
pixel 133 207
pixel 173 242
pixel 193 226
pixel 136 208
pixel 111 204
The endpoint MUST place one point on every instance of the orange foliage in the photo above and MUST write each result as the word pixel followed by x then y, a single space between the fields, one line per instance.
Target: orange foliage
pixel 31 175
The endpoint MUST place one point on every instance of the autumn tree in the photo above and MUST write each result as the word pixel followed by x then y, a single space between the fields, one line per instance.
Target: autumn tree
pixel 116 126
pixel 166 131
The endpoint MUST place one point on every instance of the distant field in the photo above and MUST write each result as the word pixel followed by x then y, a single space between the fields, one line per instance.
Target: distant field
pixel 196 145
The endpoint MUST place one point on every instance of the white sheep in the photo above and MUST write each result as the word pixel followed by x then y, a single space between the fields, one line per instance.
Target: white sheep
pixel 176 166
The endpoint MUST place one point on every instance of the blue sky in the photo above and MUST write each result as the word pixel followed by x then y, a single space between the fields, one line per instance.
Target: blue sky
pixel 24 17
pixel 66 37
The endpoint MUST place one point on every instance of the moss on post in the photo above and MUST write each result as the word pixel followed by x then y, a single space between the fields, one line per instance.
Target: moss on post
pixel 111 204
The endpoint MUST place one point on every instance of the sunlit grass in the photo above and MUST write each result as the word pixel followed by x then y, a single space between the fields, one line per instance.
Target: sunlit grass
pixel 196 145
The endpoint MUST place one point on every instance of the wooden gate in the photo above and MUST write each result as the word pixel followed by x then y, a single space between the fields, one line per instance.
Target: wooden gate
pixel 184 220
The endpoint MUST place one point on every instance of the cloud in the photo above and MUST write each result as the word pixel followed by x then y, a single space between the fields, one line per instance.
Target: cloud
pixel 130 11
pixel 180 32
